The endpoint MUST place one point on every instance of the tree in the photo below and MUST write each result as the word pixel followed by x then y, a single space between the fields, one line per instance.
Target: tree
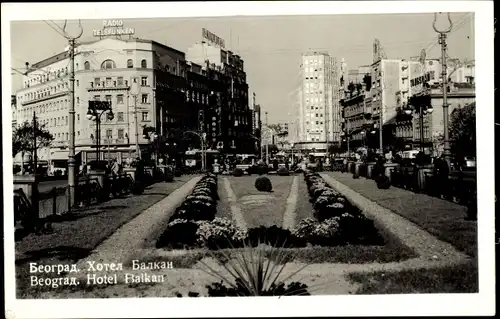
pixel 463 131
pixel 22 138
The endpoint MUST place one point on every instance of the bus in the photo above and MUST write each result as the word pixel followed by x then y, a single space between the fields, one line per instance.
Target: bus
pixel 193 159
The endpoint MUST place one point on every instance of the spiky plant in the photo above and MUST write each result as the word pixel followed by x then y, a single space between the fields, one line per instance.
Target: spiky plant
pixel 248 272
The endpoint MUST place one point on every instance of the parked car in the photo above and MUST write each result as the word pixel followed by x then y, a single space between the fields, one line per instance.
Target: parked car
pixel 470 162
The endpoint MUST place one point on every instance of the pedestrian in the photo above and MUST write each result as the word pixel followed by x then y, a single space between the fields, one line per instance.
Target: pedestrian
pixel 441 173
pixel 344 167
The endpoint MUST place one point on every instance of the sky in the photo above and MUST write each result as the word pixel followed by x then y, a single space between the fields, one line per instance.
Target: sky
pixel 271 46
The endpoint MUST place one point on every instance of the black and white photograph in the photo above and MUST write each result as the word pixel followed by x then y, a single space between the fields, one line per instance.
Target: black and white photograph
pixel 305 153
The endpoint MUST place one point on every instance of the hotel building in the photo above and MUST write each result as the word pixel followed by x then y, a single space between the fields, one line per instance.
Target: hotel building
pixel 170 92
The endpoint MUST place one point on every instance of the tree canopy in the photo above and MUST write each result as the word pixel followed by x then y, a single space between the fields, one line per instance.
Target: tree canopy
pixel 463 131
pixel 22 137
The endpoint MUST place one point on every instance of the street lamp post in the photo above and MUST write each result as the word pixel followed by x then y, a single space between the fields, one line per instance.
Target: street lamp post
pixel 95 111
pixel 444 75
pixel 135 89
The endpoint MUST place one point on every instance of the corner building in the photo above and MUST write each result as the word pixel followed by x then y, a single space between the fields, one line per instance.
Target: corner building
pixel 171 92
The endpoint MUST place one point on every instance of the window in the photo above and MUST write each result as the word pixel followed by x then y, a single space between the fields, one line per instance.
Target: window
pixel 317 122
pixel 78 133
pixel 144 64
pixel 86 65
pixel 144 98
pixel 119 99
pixel 77 99
pixel 145 116
pixel 119 117
pixel 97 97
pixel 108 64
pixel 67 136
pixel 108 98
pixel 120 133
pixel 109 133
pixel 144 80
pixel 120 80
pixel 97 81
pixel 77 83
pixel 66 120
pixel 312 107
pixel 130 64
pixel 317 115
pixel 78 117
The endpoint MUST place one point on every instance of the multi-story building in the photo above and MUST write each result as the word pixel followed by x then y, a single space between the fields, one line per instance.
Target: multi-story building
pixel 407 127
pixel 104 70
pixel 319 108
pixel 227 77
pixel 257 131
pixel 170 92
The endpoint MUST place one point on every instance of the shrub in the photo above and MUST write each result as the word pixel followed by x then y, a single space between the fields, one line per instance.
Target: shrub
pixel 273 236
pixel 357 229
pixel 218 289
pixel 180 233
pixel 383 182
pixel 254 273
pixel 262 169
pixel 283 171
pixel 238 172
pixel 169 175
pixel 263 184
pixel 220 233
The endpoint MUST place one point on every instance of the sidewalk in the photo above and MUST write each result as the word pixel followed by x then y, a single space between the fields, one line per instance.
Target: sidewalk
pixel 441 218
pixel 76 234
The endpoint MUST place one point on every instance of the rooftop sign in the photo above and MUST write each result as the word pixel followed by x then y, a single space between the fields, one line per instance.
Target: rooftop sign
pixel 213 38
pixel 112 28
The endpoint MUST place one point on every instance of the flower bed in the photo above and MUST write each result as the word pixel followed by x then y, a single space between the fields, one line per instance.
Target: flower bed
pixel 336 222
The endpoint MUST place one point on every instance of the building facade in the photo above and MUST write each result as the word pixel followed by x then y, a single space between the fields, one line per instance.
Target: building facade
pixel 146 82
pixel 319 107
pixel 227 77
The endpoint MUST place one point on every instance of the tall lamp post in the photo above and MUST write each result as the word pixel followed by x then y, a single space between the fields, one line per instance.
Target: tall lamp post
pixel 71 147
pixel 444 75
pixel 95 111
pixel 135 89
pixel 421 105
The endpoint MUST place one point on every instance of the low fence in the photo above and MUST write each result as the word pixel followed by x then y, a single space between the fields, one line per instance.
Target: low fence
pixel 460 186
pixel 88 191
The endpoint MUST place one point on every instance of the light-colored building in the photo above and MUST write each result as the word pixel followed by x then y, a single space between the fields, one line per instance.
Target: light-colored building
pixel 104 70
pixel 386 82
pixel 13 107
pixel 320 113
